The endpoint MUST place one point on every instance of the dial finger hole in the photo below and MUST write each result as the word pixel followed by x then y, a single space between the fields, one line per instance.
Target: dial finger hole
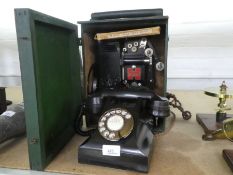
pixel 101 124
pixel 102 129
pixel 106 133
pixel 118 111
pixel 103 119
pixel 113 112
pixel 112 135
pixel 128 116
pixel 123 112
pixel 108 114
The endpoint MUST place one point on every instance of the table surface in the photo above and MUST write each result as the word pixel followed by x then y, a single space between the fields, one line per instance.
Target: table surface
pixel 177 152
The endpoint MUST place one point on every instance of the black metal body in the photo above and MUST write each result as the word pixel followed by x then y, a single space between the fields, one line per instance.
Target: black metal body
pixel 107 69
pixel 136 149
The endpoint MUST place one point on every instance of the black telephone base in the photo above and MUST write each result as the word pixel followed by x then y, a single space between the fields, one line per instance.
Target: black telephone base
pixel 135 150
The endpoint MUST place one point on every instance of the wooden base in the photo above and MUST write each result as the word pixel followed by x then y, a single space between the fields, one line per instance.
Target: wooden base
pixel 208 122
pixel 228 156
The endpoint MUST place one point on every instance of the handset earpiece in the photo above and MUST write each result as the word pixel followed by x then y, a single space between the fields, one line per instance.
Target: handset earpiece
pixel 160 108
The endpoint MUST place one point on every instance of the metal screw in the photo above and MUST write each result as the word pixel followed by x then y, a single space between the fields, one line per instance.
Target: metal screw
pixel 134 49
pixel 124 49
pixel 149 52
pixel 159 66
pixel 34 141
pixel 130 45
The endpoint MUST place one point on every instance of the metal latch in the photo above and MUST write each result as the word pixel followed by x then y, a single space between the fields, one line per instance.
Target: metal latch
pixel 79 41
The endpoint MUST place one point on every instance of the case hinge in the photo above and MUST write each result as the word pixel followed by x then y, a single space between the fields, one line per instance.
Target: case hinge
pixel 79 41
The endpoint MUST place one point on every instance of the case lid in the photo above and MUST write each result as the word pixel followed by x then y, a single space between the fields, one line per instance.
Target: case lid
pixel 127 14
pixel 50 69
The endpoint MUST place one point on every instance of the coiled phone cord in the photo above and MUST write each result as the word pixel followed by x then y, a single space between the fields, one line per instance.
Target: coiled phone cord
pixel 175 103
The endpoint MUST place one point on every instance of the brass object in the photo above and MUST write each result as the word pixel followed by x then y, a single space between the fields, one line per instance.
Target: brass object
pixel 225 132
pixel 128 33
pixel 222 96
pixel 224 122
pixel 217 126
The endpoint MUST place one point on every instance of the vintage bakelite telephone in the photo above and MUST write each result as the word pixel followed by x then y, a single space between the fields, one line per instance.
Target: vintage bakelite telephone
pixel 122 105
pixel 126 100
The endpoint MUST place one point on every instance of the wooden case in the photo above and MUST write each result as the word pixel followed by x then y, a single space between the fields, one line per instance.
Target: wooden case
pixel 54 78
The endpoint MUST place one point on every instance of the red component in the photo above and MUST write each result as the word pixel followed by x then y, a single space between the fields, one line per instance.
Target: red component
pixel 134 73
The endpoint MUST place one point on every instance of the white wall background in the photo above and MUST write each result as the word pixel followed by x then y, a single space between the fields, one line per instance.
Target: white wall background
pixel 201 36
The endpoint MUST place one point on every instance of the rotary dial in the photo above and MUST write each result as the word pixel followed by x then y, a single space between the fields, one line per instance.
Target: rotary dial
pixel 115 124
